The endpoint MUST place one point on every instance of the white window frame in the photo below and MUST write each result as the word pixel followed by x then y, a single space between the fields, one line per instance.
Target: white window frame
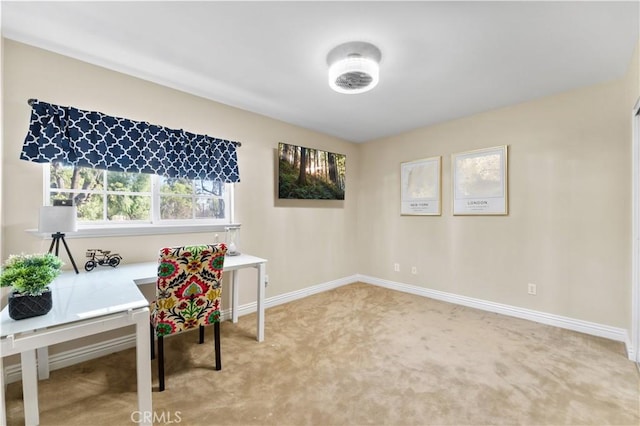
pixel 157 227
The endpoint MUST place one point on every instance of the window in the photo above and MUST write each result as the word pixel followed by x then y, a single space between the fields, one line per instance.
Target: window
pixel 109 198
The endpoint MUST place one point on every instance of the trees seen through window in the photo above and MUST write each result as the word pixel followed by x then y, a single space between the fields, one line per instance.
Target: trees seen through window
pixel 120 197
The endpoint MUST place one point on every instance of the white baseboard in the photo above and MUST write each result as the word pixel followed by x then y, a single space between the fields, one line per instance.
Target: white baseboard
pixel 281 299
pixel 308 291
pixel 595 329
pixel 86 353
pixel 75 356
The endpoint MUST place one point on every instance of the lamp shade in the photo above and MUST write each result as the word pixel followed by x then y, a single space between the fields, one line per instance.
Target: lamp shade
pixel 58 219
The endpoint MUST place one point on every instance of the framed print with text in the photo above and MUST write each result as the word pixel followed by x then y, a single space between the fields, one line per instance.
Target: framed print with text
pixel 480 182
pixel 420 187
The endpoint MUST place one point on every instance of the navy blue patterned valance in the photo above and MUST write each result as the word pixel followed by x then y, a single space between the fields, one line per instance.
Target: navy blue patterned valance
pixel 93 139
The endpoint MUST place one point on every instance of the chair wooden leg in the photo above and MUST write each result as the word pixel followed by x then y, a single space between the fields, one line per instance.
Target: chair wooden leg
pixel 216 334
pixel 153 341
pixel 161 362
pixel 201 334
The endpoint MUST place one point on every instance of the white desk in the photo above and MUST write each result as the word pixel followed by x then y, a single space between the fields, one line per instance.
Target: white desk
pixel 81 307
pixel 89 303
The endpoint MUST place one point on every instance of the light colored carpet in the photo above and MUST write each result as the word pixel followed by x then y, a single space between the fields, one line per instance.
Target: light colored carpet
pixel 361 355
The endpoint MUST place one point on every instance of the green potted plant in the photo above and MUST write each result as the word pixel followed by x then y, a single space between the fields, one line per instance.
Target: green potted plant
pixel 29 276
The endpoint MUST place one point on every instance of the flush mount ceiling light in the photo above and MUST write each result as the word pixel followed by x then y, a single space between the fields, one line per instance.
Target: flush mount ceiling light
pixel 353 67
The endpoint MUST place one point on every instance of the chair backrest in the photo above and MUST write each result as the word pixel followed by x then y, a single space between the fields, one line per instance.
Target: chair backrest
pixel 188 289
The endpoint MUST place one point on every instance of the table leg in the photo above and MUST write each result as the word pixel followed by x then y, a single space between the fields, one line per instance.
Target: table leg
pixel 3 409
pixel 261 291
pixel 30 387
pixel 43 363
pixel 143 367
pixel 234 296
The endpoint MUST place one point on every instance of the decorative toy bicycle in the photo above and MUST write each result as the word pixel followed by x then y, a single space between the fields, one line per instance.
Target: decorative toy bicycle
pixel 102 258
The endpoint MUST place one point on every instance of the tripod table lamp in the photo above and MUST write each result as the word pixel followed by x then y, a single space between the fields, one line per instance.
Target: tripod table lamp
pixel 58 220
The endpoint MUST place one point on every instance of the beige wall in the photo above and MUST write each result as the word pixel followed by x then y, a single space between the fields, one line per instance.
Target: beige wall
pixel 569 223
pixel 305 244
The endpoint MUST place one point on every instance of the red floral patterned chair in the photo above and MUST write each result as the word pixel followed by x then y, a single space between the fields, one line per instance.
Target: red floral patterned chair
pixel 188 293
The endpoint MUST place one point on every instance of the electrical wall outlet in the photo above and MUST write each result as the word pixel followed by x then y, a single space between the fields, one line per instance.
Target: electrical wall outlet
pixel 414 270
pixel 532 289
pixel 396 267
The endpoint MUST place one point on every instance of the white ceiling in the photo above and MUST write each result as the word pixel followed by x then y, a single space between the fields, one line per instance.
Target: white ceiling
pixel 440 60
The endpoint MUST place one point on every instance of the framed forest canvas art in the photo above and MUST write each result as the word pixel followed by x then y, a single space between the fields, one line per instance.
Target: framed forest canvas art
pixel 312 174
